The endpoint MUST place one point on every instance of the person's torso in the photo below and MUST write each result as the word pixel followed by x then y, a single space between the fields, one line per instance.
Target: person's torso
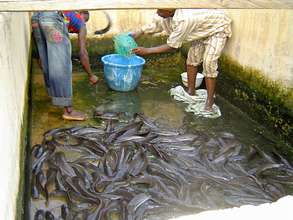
pixel 73 21
pixel 199 23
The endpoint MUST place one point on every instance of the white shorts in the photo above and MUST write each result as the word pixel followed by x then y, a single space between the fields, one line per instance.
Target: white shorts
pixel 207 51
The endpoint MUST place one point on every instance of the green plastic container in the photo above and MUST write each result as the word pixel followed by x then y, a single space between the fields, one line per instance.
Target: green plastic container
pixel 123 44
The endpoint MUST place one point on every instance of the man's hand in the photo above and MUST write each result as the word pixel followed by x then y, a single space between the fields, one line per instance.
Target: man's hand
pixel 141 51
pixel 135 34
pixel 152 50
pixel 93 79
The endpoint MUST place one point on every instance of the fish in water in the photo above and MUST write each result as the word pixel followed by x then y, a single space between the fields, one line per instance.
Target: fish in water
pixel 135 170
pixel 107 115
pixel 39 215
pixel 49 216
pixel 64 212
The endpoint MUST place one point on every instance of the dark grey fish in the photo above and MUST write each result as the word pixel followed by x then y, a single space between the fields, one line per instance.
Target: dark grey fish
pixel 283 160
pixel 245 200
pixel 121 130
pixel 286 180
pixel 163 132
pixel 63 165
pixel 51 133
pixel 122 190
pixel 179 175
pixel 84 131
pixel 175 139
pixel 276 190
pixel 39 215
pixel 37 150
pixel 41 179
pixel 156 151
pixel 97 148
pixel 263 154
pixel 83 173
pixel 49 216
pixel 129 129
pixel 74 197
pixel 37 164
pixel 138 163
pixel 227 135
pixel 35 192
pixel 110 162
pixel 64 212
pixel 226 153
pixel 50 185
pixel 113 186
pixel 266 167
pixel 133 138
pixel 135 203
pixel 109 126
pixel 160 197
pixel 146 121
pixel 107 115
pixel 99 211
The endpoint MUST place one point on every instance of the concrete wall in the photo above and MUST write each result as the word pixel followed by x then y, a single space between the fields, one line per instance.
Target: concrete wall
pixel 14 57
pixel 122 20
pixel 261 38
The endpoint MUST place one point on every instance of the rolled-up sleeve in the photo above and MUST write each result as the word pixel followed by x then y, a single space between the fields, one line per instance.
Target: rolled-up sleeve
pixel 154 27
pixel 179 34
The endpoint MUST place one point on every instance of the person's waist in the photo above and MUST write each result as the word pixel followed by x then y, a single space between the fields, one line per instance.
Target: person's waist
pixel 60 13
pixel 47 14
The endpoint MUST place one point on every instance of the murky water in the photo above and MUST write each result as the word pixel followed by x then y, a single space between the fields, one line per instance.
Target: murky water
pixel 152 99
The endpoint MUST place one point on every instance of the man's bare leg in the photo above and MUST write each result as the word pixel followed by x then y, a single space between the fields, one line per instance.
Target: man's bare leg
pixel 191 77
pixel 210 85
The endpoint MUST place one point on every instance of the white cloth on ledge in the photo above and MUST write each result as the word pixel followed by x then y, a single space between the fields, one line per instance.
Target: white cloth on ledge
pixel 195 103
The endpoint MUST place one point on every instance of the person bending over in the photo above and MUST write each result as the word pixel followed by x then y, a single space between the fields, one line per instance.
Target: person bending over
pixel 206 29
pixel 50 30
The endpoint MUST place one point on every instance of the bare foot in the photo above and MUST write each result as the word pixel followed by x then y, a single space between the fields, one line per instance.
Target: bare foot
pixel 93 79
pixel 191 92
pixel 208 107
pixel 70 114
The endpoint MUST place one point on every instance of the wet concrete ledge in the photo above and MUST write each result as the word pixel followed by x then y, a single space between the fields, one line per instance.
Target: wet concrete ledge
pixel 24 150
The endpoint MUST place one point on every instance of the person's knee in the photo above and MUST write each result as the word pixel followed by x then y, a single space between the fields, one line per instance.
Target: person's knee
pixel 210 68
pixel 190 66
pixel 190 63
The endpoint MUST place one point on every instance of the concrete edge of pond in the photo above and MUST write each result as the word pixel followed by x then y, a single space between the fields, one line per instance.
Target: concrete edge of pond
pixel 268 211
pixel 24 148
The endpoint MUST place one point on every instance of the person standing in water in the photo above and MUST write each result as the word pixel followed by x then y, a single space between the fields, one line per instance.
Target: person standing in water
pixel 208 31
pixel 51 33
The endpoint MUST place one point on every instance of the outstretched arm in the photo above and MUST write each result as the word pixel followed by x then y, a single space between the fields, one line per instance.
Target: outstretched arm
pixel 153 50
pixel 135 34
pixel 83 55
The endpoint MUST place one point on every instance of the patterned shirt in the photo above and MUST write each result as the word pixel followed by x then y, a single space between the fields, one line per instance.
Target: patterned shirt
pixel 74 21
pixel 190 25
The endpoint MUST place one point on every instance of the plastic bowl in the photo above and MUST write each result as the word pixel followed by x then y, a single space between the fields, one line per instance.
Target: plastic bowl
pixel 199 78
pixel 122 73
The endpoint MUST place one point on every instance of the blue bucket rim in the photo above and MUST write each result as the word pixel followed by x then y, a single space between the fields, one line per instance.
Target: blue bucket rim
pixel 121 65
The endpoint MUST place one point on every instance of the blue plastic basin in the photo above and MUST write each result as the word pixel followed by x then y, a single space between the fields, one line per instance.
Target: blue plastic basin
pixel 122 73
